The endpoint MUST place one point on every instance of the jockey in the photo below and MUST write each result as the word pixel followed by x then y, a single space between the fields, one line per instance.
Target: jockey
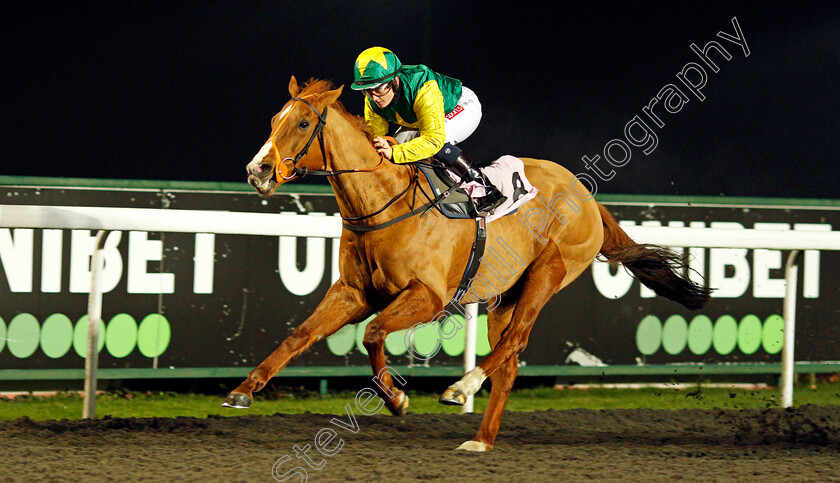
pixel 437 111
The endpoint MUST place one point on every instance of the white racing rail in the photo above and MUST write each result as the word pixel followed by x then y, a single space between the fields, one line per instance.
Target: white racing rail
pixel 225 222
pixel 796 241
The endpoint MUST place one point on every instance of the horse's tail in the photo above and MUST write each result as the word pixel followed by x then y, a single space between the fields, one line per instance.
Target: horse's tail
pixel 657 267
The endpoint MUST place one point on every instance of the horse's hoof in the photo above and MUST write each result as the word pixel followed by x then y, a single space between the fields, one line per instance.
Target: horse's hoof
pixel 237 400
pixel 453 397
pixel 402 407
pixel 475 446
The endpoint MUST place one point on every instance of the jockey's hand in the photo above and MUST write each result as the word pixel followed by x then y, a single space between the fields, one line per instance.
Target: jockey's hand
pixel 382 147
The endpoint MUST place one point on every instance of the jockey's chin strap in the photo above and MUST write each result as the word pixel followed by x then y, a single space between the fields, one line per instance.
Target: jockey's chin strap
pixel 300 172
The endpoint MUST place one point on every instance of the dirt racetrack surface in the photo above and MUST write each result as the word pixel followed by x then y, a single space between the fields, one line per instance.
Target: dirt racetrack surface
pixel 632 445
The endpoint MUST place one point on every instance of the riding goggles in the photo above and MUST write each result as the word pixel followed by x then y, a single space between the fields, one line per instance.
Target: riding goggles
pixel 378 91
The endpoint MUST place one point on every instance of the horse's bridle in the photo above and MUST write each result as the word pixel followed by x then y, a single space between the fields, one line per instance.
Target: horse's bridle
pixel 298 171
pixel 318 132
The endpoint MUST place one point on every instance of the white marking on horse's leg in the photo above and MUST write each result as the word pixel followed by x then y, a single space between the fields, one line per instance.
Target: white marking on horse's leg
pixel 475 446
pixel 402 402
pixel 471 382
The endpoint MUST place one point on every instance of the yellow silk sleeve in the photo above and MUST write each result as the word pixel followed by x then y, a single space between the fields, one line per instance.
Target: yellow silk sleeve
pixel 377 123
pixel 428 106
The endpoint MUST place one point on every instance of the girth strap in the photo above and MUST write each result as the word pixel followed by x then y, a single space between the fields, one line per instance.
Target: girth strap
pixel 475 259
pixel 476 253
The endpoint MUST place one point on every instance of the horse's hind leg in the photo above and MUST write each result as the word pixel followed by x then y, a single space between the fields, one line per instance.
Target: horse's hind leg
pixel 541 280
pixel 502 381
pixel 415 304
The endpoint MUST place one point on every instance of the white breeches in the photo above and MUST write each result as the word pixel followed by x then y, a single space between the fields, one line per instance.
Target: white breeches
pixel 459 124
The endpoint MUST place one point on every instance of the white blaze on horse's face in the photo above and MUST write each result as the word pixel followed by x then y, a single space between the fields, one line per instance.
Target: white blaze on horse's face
pixel 262 153
pixel 284 111
pixel 261 171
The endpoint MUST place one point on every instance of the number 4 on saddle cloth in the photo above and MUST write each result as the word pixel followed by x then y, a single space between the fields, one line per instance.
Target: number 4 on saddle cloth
pixel 506 173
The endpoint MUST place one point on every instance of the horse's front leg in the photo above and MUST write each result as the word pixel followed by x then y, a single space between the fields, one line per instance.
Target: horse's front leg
pixel 342 305
pixel 417 303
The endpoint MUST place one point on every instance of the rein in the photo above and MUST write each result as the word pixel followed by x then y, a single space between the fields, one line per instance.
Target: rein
pixel 298 171
pixel 318 132
pixel 422 210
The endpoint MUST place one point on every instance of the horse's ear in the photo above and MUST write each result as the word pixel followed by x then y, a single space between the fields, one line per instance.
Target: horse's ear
pixel 328 98
pixel 294 90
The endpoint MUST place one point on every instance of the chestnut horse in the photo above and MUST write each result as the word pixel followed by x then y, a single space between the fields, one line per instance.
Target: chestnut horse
pixel 408 270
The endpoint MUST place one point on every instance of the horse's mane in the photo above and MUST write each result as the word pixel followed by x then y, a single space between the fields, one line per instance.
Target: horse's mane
pixel 318 86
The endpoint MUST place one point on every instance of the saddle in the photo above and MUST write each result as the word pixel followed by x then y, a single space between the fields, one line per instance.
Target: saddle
pixel 507 173
pixel 454 201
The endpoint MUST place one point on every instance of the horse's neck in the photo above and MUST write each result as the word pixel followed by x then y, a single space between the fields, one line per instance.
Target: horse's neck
pixel 363 193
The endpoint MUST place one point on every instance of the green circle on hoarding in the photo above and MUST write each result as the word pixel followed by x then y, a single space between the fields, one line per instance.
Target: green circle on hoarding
pixel 454 327
pixel 773 335
pixel 674 334
pixel 749 334
pixel 24 335
pixel 2 334
pixel 426 340
pixel 341 342
pixel 121 337
pixel 700 332
pixel 80 336
pixel 649 335
pixel 56 335
pixel 725 335
pixel 482 342
pixel 395 343
pixel 153 335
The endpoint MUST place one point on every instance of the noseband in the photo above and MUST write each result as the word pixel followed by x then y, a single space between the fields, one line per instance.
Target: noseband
pixel 318 132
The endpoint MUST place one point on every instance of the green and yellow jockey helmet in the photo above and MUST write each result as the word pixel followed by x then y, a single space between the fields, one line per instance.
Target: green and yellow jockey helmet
pixel 374 66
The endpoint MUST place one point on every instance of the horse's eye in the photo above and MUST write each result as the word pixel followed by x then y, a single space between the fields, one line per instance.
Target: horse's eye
pixel 303 124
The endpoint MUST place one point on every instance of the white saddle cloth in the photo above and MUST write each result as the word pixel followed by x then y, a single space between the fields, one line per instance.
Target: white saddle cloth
pixel 508 174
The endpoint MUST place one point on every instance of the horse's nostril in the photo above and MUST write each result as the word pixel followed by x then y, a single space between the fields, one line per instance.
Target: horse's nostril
pixel 259 169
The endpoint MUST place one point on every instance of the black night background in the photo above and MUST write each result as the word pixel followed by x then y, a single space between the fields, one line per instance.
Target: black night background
pixel 185 90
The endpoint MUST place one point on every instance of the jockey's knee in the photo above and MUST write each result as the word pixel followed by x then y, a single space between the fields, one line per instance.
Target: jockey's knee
pixel 448 154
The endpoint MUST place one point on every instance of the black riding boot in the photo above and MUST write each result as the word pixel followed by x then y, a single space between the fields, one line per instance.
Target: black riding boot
pixel 453 157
